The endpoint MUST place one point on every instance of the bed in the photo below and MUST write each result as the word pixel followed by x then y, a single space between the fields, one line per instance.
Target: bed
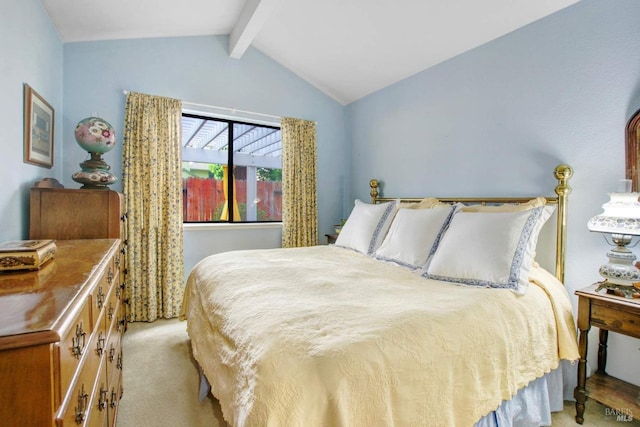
pixel 404 321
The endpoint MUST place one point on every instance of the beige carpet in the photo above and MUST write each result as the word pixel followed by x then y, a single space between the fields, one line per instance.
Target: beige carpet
pixel 161 384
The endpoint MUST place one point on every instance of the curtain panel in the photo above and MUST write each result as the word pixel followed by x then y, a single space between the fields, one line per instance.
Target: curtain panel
pixel 299 183
pixel 152 187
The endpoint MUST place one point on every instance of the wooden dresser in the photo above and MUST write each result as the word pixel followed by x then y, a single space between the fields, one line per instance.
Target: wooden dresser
pixel 60 338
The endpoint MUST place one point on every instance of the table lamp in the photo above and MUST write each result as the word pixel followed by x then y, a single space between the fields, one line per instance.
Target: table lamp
pixel 621 221
pixel 96 136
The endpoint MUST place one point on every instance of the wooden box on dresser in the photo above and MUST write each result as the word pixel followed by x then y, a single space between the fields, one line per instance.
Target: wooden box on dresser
pixel 60 338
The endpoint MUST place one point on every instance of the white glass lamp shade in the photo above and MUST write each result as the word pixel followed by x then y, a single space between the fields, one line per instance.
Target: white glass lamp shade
pixel 621 215
pixel 620 219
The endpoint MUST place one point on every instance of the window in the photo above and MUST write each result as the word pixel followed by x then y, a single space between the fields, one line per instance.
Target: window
pixel 231 171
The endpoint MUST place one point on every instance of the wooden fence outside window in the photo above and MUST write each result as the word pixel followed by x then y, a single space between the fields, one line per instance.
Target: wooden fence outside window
pixel 203 199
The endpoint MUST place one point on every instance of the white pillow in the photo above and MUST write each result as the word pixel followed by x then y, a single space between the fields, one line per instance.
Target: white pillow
pixel 413 235
pixel 490 249
pixel 366 226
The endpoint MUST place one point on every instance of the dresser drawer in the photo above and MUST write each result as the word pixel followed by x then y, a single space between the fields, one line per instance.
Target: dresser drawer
pixel 98 300
pixel 118 258
pixel 77 406
pixel 112 307
pixel 100 294
pixel 99 341
pixel 115 394
pixel 74 346
pixel 113 362
pixel 100 409
pixel 77 409
pixel 614 318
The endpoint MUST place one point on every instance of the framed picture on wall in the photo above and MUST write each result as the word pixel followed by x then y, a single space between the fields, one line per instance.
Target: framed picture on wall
pixel 38 129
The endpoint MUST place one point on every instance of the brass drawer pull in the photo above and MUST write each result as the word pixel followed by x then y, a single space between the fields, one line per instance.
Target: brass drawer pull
pixel 119 362
pixel 101 340
pixel 114 398
pixel 100 298
pixel 104 400
pixel 78 341
pixel 112 353
pixel 110 311
pixel 81 409
pixel 110 276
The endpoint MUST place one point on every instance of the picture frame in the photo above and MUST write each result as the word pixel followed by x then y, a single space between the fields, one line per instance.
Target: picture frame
pixel 38 129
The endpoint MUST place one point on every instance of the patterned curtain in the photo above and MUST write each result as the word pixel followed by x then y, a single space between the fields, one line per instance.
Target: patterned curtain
pixel 152 187
pixel 299 187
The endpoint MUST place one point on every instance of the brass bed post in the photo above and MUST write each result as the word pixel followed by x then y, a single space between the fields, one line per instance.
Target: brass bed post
pixel 374 190
pixel 562 173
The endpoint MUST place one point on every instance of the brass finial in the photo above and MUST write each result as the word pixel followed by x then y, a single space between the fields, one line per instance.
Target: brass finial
pixel 374 190
pixel 563 173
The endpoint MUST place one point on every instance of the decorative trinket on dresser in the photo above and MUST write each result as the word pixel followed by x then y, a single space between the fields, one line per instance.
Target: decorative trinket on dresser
pixel 26 254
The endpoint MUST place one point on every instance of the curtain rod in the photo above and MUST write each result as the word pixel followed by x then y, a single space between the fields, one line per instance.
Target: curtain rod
pixel 231 110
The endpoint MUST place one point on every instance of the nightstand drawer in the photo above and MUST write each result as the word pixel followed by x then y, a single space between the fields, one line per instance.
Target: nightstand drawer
pixel 614 318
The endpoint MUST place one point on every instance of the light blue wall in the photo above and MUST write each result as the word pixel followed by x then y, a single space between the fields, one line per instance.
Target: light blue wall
pixel 498 119
pixel 199 70
pixel 30 52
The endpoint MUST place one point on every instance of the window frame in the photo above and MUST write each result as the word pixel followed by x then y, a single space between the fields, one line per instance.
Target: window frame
pixel 230 165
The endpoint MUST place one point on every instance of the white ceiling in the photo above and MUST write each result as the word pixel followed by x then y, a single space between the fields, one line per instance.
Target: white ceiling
pixel 346 48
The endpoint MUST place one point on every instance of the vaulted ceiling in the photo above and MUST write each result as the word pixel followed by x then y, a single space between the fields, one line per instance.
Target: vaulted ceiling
pixel 346 48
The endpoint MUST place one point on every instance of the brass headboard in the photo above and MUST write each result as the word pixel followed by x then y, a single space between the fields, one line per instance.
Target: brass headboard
pixel 562 174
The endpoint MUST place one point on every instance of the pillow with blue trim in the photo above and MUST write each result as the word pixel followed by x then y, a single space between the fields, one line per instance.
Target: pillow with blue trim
pixel 414 235
pixel 489 249
pixel 367 226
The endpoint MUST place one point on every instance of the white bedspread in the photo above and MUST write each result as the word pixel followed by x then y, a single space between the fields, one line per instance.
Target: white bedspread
pixel 325 336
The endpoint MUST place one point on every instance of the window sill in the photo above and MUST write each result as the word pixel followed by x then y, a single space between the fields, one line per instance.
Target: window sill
pixel 231 226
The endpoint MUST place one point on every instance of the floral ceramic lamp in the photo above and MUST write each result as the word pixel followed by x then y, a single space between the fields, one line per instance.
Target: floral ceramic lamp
pixel 96 136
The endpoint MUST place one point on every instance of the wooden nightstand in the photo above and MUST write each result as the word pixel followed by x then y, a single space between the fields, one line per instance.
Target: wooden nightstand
pixel 609 313
pixel 331 238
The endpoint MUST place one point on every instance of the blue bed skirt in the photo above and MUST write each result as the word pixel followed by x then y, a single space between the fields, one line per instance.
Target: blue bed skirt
pixel 532 405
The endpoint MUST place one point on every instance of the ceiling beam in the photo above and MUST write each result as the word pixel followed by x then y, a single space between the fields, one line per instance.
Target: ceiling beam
pixel 250 21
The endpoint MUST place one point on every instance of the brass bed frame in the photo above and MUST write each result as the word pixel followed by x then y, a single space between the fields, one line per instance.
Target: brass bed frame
pixel 562 174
